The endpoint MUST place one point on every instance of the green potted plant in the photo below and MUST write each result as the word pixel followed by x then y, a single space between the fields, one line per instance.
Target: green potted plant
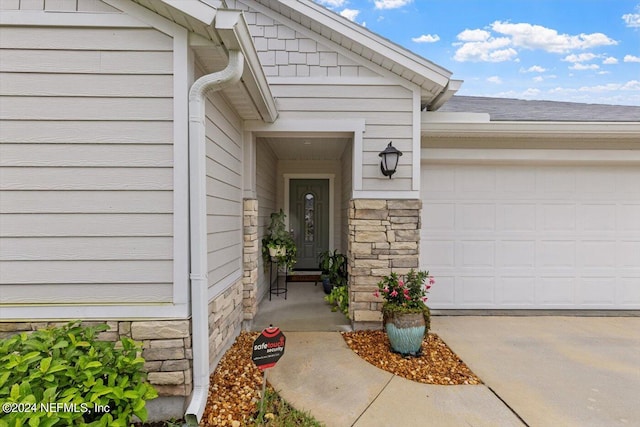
pixel 405 315
pixel 334 270
pixel 325 267
pixel 277 243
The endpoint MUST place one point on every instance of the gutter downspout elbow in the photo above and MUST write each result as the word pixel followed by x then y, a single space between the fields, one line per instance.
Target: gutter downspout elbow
pixel 198 228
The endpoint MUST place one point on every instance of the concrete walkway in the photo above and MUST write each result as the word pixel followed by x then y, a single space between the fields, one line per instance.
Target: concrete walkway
pixel 550 371
pixel 554 371
pixel 320 374
pixel 303 310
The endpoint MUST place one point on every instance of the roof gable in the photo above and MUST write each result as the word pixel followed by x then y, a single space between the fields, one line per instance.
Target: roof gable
pixel 316 21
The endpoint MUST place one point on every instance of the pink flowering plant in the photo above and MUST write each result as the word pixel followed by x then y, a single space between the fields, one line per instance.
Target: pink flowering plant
pixel 406 294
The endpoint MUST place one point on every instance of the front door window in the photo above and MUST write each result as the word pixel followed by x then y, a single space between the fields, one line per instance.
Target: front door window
pixel 309 220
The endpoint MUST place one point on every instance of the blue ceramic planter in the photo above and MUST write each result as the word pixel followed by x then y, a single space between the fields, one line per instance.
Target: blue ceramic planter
pixel 406 332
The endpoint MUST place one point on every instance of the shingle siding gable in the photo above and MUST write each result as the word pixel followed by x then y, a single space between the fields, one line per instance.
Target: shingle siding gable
pixel 284 52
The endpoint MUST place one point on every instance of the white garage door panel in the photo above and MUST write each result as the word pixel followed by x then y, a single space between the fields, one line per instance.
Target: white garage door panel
pixel 532 236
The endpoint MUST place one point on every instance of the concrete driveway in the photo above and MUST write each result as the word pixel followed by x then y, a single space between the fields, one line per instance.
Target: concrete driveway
pixel 554 371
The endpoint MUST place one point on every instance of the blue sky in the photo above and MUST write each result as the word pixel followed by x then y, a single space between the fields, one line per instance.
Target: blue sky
pixel 563 50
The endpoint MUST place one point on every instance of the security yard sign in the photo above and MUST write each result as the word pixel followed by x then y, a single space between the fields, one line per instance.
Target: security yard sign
pixel 268 348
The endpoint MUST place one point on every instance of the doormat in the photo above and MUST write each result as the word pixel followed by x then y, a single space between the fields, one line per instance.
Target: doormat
pixel 303 278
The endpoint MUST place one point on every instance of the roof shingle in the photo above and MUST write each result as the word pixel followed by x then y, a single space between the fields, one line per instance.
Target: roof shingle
pixel 507 109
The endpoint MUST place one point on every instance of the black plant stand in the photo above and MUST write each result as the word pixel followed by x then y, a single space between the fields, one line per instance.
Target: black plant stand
pixel 274 283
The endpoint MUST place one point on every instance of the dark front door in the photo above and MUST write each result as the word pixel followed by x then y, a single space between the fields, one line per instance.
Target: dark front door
pixel 309 219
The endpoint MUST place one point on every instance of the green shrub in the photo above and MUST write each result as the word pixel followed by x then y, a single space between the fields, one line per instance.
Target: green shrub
pixel 339 299
pixel 64 376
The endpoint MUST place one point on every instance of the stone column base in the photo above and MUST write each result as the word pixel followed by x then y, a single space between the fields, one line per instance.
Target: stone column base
pixel 384 237
pixel 250 260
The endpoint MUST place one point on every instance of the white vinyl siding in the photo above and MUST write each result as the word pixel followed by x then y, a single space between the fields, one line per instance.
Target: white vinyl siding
pixel 386 109
pixel 86 163
pixel 57 5
pixel 532 236
pixel 224 194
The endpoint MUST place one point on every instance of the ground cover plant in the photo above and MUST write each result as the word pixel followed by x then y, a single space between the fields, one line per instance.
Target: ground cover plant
pixel 63 376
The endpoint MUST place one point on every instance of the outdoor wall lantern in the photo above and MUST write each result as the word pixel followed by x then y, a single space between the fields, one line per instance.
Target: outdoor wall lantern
pixel 389 161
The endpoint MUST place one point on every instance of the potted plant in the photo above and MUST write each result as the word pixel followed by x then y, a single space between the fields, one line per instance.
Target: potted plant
pixel 334 270
pixel 277 243
pixel 325 268
pixel 405 315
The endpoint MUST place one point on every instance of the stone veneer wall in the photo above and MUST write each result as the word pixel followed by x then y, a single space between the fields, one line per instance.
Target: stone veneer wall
pixel 384 237
pixel 225 321
pixel 250 260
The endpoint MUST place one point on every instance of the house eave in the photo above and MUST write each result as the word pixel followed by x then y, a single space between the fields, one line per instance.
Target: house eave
pixel 234 32
pixel 396 53
pixel 196 9
pixel 426 75
pixel 433 104
pixel 217 31
pixel 473 126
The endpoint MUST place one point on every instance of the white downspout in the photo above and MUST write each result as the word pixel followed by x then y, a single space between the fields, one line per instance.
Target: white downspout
pixel 198 233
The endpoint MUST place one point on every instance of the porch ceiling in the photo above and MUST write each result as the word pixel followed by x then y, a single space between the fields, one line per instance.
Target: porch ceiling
pixel 307 148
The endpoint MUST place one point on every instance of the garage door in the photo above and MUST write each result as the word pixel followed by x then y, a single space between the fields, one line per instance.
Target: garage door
pixel 532 236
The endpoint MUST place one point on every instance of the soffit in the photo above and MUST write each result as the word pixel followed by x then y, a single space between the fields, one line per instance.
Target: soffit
pixel 307 148
pixel 201 26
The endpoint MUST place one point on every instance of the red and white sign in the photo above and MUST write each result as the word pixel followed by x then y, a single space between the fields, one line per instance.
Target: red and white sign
pixel 268 348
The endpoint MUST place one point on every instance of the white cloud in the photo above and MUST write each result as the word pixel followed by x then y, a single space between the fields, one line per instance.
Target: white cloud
pixel 528 93
pixel 631 58
pixel 479 46
pixel 563 90
pixel 332 3
pixel 610 60
pixel 581 67
pixel 534 69
pixel 581 57
pixel 538 79
pixel 391 4
pixel 494 79
pixel 531 92
pixel 474 35
pixel 631 85
pixel 350 14
pixel 613 93
pixel 530 36
pixel 632 19
pixel 601 73
pixel 426 38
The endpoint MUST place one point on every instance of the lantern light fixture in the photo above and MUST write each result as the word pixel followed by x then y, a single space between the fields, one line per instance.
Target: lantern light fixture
pixel 389 160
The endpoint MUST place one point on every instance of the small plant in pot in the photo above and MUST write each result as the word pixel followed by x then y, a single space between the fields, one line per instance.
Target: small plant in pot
pixel 325 267
pixel 277 243
pixel 406 317
pixel 334 270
